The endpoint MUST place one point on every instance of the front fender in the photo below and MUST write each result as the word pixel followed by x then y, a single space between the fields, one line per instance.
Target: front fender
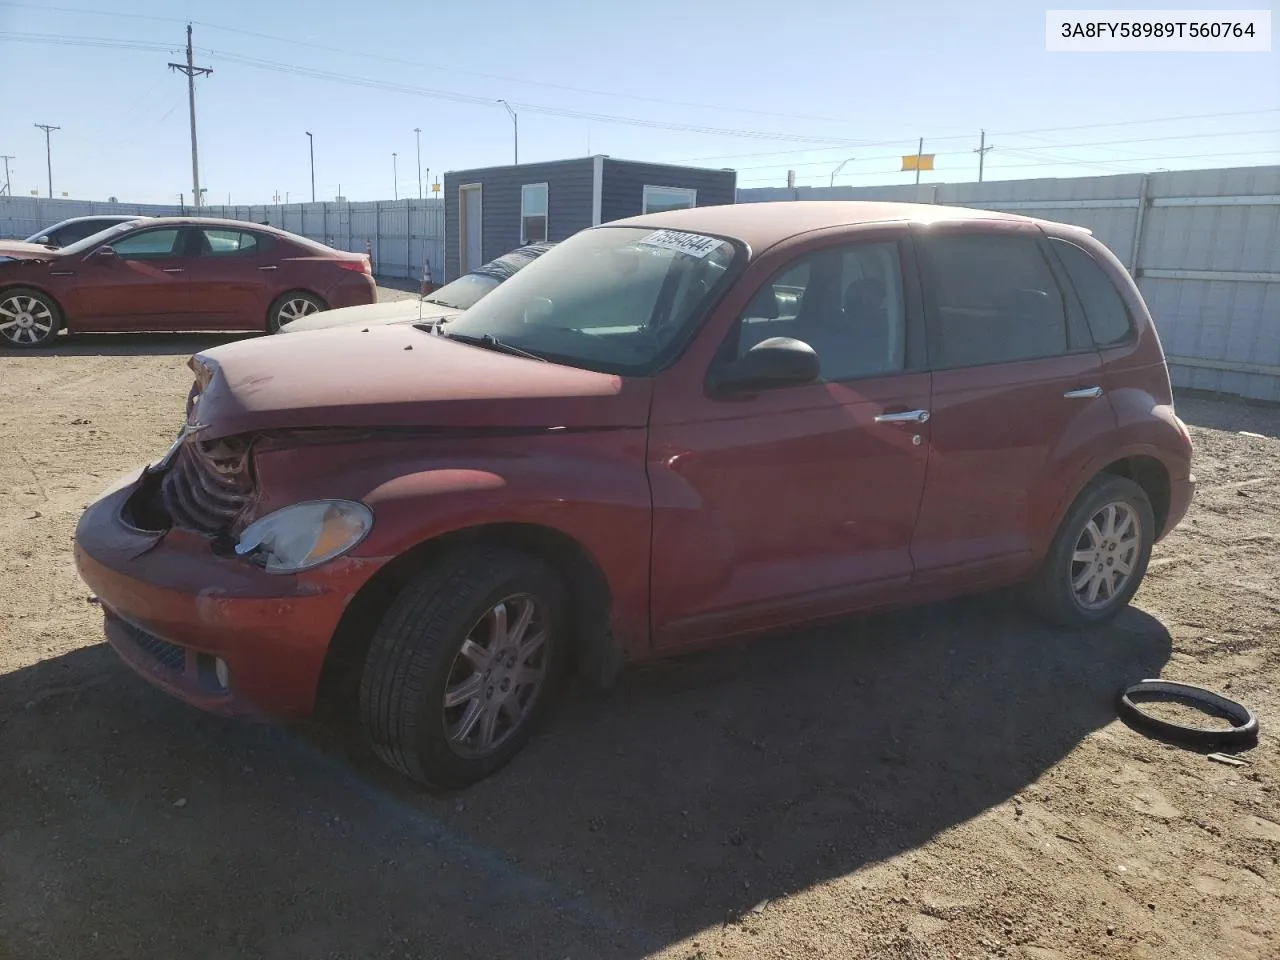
pixel 590 486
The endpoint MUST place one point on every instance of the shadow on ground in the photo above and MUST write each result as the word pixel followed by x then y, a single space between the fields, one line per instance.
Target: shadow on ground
pixel 128 345
pixel 692 791
pixel 1217 412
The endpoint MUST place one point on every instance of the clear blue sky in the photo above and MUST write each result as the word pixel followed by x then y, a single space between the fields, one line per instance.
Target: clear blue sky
pixel 875 74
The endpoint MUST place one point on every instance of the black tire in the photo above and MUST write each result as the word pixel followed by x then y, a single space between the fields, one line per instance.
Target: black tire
pixel 28 318
pixel 1243 732
pixel 416 651
pixel 1051 595
pixel 282 303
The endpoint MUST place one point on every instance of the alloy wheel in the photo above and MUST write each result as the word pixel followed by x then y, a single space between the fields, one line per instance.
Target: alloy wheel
pixel 25 319
pixel 293 309
pixel 496 677
pixel 1105 555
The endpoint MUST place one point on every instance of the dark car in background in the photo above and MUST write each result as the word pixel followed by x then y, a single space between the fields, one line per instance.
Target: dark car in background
pixel 67 232
pixel 451 299
pixel 174 273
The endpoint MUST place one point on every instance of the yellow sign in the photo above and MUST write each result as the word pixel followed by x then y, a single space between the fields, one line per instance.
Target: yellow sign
pixel 918 161
pixel 435 188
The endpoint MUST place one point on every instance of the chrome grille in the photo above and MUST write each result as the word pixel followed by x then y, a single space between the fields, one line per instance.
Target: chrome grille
pixel 206 493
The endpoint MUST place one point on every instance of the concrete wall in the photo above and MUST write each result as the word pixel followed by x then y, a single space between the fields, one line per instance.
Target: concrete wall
pixel 1204 246
pixel 401 233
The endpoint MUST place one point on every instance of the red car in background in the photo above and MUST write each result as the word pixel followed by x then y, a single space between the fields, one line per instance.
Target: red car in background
pixel 174 273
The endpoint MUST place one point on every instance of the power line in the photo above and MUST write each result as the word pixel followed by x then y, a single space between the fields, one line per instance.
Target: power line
pixel 1002 133
pixel 1061 163
pixel 1071 146
pixel 419 65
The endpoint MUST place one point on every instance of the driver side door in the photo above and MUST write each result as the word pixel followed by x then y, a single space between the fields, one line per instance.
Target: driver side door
pixel 143 286
pixel 798 502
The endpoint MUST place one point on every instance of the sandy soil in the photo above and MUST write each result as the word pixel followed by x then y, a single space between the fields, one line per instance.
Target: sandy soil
pixel 949 782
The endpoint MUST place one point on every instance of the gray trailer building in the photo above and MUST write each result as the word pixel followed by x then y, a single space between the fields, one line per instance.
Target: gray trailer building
pixel 492 210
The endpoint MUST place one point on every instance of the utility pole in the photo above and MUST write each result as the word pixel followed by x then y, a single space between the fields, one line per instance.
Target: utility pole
pixel 395 179
pixel 418 132
pixel 515 126
pixel 919 157
pixel 7 191
pixel 839 168
pixel 982 152
pixel 312 140
pixel 48 155
pixel 192 72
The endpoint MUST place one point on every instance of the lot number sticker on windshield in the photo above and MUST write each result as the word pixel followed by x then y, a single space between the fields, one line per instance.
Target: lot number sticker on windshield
pixel 694 244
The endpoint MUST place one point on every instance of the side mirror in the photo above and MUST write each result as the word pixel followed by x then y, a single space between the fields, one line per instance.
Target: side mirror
pixel 772 363
pixel 44 240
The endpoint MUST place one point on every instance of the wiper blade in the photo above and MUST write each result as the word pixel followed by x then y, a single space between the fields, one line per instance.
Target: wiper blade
pixel 441 303
pixel 490 342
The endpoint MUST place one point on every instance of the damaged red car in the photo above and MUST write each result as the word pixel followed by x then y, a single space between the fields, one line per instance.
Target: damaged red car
pixel 666 432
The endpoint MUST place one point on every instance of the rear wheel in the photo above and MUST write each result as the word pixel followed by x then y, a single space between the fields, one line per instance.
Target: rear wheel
pixel 1099 555
pixel 291 306
pixel 28 318
pixel 463 666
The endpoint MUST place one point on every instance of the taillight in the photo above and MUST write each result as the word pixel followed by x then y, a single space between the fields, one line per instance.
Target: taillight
pixel 357 266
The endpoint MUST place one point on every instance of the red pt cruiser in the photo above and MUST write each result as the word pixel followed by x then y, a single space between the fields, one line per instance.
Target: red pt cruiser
pixel 665 432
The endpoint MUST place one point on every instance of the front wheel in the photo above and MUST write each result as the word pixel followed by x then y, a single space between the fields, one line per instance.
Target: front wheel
pixel 290 307
pixel 1098 557
pixel 464 665
pixel 28 318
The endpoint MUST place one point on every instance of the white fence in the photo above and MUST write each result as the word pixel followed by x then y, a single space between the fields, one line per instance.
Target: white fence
pixel 401 234
pixel 1204 246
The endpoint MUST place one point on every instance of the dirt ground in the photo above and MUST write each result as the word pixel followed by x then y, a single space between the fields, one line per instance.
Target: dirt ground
pixel 948 782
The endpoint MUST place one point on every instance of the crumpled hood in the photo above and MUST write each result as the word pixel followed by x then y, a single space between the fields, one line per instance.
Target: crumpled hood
pixel 400 376
pixel 25 251
pixel 390 311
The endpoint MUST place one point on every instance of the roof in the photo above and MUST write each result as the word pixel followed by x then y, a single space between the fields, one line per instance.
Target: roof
pixel 763 224
pixel 569 161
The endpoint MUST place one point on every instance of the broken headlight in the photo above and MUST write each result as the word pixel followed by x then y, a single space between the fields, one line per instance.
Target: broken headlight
pixel 305 535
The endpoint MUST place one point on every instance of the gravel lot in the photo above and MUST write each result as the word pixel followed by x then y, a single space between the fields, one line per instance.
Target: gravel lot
pixel 949 782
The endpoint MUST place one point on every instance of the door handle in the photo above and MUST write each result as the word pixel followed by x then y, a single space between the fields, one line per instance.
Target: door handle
pixel 173 270
pixel 269 267
pixel 906 416
pixel 1084 393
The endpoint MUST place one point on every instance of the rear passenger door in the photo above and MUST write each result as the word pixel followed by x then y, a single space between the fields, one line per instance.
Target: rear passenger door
pixel 1018 400
pixel 231 277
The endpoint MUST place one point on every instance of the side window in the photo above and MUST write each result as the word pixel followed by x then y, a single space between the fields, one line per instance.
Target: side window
pixel 78 231
pixel 845 302
pixel 655 199
pixel 1104 308
pixel 533 213
pixel 149 244
pixel 994 300
pixel 224 243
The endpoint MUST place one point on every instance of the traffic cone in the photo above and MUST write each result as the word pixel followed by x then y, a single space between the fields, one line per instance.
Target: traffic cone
pixel 428 286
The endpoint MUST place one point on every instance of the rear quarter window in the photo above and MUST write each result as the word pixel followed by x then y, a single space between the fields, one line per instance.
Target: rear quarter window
pixel 1105 311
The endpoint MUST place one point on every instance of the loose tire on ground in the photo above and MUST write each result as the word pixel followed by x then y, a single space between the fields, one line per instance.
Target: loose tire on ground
pixel 1056 594
pixel 291 306
pixel 430 646
pixel 28 318
pixel 1242 733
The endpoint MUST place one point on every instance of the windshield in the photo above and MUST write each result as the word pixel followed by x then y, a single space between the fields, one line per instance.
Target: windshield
pixel 614 299
pixel 95 239
pixel 464 292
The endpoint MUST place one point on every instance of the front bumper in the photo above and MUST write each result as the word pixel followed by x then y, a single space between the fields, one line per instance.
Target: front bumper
pixel 171 606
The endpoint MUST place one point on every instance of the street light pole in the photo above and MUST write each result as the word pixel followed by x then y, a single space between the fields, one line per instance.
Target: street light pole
pixel 515 127
pixel 839 168
pixel 395 179
pixel 312 143
pixel 418 133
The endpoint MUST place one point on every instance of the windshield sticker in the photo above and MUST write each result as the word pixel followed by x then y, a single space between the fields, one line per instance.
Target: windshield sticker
pixel 693 244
